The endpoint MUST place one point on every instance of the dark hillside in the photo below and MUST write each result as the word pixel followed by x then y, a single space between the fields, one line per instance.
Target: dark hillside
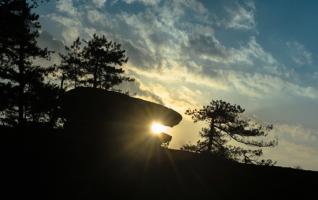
pixel 43 166
pixel 100 155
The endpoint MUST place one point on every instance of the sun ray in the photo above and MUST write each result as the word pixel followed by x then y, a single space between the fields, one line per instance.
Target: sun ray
pixel 157 128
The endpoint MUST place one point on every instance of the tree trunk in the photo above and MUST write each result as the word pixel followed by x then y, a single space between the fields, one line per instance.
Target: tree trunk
pixel 21 88
pixel 210 137
pixel 21 80
pixel 20 105
pixel 95 78
pixel 62 82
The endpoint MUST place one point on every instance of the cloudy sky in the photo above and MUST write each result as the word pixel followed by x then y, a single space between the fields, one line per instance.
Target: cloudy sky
pixel 259 54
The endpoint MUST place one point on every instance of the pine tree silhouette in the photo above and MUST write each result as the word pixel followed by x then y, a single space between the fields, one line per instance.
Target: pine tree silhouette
pixel 103 63
pixel 20 78
pixel 224 124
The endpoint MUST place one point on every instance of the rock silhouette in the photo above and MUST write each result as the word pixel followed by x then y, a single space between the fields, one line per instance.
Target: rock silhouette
pixel 111 123
pixel 93 106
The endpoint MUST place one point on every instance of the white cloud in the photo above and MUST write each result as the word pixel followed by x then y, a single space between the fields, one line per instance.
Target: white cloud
pixel 70 34
pixel 252 51
pixel 66 6
pixel 99 3
pixel 65 21
pixel 242 16
pixel 290 154
pixel 297 146
pixel 95 16
pixel 184 63
pixel 264 85
pixel 194 5
pixel 69 28
pixel 298 53
pixel 298 134
pixel 247 70
pixel 156 34
pixel 145 2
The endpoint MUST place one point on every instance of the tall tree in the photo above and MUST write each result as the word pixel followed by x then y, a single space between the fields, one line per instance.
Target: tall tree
pixel 97 63
pixel 103 63
pixel 19 76
pixel 225 123
pixel 72 65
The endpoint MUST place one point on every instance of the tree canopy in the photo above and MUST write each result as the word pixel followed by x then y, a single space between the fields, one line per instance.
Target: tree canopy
pixel 28 91
pixel 225 123
pixel 20 77
pixel 97 63
pixel 71 67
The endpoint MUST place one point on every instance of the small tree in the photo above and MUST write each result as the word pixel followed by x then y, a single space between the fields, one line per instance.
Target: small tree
pixel 103 63
pixel 224 124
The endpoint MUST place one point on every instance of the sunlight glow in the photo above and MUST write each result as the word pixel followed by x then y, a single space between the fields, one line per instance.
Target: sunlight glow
pixel 157 128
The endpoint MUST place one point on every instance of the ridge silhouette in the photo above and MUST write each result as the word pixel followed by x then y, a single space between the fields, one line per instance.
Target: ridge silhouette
pixel 92 159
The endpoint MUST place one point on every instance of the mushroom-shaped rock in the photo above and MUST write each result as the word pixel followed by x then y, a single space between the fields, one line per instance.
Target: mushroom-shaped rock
pixel 88 104
pixel 113 116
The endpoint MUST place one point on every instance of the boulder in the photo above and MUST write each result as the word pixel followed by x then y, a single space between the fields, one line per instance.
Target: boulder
pixel 95 105
pixel 114 117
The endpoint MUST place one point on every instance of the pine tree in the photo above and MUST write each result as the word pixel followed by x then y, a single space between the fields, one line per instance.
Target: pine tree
pixel 72 66
pixel 225 123
pixel 103 63
pixel 97 63
pixel 19 76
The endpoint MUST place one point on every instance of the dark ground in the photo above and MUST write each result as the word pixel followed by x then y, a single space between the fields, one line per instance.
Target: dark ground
pixel 45 164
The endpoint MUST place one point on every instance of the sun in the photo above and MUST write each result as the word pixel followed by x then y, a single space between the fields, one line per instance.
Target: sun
pixel 157 128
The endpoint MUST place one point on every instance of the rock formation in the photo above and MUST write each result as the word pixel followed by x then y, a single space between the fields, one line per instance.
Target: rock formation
pixel 115 119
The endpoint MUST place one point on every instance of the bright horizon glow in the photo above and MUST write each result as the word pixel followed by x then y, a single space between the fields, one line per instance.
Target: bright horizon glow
pixel 157 128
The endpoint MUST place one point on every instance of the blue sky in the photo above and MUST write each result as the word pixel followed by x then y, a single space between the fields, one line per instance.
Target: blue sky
pixel 259 54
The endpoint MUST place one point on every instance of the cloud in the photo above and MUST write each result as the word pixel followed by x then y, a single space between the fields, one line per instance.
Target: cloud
pixel 99 3
pixel 145 2
pixel 138 56
pixel 247 69
pixel 67 7
pixel 297 146
pixel 65 28
pixel 298 134
pixel 159 41
pixel 206 47
pixel 181 57
pixel 241 16
pixel 95 16
pixel 298 53
pixel 194 5
pixel 139 90
pixel 70 34
pixel 262 85
pixel 47 40
pixel 290 154
pixel 250 57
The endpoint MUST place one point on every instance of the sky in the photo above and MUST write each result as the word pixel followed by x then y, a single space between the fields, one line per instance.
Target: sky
pixel 261 55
